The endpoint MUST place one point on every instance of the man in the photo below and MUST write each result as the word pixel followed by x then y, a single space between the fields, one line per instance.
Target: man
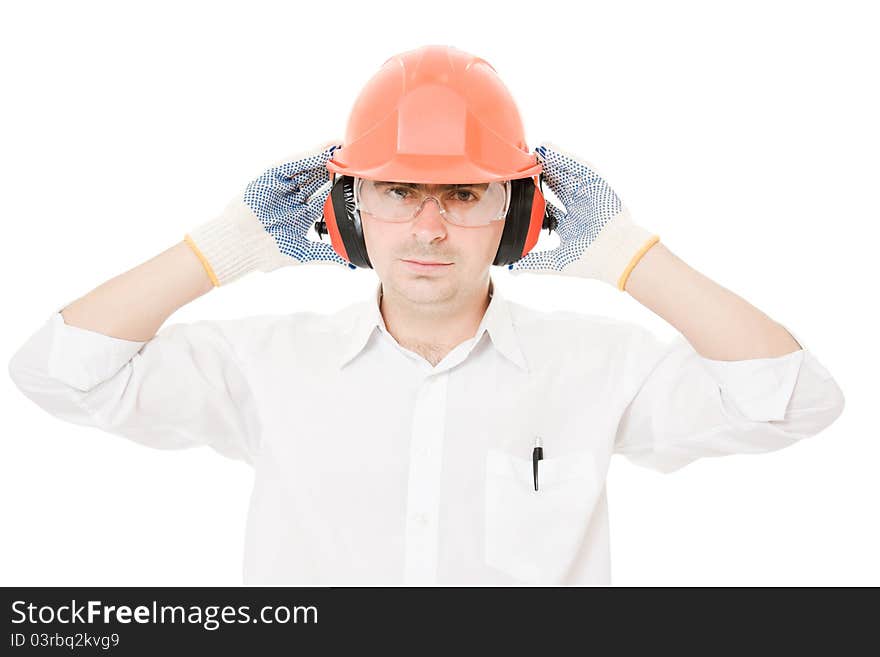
pixel 436 433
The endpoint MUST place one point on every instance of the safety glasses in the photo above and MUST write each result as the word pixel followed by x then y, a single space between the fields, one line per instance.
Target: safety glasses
pixel 464 204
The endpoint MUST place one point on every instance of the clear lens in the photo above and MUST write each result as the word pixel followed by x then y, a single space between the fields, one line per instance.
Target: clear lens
pixel 471 204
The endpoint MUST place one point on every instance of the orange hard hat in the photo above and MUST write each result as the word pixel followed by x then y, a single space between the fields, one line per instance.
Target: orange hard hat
pixel 435 114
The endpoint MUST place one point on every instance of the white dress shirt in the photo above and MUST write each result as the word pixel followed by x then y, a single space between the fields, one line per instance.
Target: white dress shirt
pixel 373 467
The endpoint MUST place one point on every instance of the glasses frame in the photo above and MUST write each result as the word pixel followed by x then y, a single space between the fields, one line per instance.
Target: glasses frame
pixel 507 194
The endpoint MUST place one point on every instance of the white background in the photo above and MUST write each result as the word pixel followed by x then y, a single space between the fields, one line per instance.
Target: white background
pixel 745 135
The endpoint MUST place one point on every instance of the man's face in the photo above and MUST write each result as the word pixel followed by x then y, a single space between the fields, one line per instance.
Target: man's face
pixel 428 237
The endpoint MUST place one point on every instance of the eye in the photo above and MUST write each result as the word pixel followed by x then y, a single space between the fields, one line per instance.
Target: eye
pixel 464 195
pixel 393 192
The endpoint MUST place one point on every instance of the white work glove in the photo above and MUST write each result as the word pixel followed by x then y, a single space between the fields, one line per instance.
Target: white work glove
pixel 598 239
pixel 265 227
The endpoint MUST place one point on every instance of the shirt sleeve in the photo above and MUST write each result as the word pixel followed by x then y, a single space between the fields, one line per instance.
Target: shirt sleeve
pixel 686 406
pixel 183 388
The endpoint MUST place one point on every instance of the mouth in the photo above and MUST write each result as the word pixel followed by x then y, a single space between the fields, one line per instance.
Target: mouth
pixel 426 266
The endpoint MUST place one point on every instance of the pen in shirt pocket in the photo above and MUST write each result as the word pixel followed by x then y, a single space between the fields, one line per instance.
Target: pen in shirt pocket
pixel 537 455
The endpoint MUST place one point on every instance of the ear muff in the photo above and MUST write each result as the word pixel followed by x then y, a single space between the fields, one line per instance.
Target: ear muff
pixel 526 216
pixel 343 223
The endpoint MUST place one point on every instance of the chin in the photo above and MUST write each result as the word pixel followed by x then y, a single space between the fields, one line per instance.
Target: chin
pixel 425 289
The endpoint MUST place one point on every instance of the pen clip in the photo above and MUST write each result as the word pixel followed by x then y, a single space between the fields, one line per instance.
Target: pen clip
pixel 537 455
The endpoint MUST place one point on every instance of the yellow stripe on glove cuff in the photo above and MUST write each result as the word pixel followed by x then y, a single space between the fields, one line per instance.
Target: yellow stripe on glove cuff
pixel 615 251
pixel 234 244
pixel 202 259
pixel 624 277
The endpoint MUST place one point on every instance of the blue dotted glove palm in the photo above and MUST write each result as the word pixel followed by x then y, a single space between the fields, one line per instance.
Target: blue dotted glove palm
pixel 597 237
pixel 265 227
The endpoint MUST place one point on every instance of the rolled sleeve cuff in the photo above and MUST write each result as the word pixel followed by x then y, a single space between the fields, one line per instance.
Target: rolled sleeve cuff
pixel 82 358
pixel 758 389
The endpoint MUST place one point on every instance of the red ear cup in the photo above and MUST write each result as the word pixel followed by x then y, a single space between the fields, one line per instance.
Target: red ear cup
pixel 526 216
pixel 343 223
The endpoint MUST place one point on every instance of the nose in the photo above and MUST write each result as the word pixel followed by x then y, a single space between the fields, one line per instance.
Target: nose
pixel 428 223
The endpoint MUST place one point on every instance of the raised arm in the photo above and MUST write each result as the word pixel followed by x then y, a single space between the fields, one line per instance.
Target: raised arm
pixel 133 305
pixel 718 323
pixel 103 360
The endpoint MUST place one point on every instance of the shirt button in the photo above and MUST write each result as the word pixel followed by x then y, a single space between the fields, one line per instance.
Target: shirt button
pixel 421 519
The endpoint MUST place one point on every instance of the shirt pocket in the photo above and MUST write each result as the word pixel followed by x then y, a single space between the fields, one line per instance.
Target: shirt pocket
pixel 534 535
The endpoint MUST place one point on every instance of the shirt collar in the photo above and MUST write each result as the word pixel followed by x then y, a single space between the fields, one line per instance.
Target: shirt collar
pixel 497 322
